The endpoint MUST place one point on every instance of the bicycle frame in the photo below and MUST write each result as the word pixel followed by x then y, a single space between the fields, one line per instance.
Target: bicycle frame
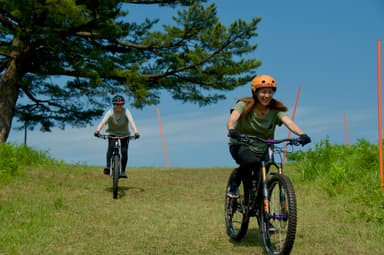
pixel 115 159
pixel 116 152
pixel 266 163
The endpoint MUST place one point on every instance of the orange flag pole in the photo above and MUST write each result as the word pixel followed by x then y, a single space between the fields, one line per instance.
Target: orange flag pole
pixel 380 115
pixel 346 128
pixel 293 118
pixel 163 139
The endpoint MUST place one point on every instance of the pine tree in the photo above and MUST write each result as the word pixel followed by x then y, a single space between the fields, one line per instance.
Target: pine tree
pixel 62 60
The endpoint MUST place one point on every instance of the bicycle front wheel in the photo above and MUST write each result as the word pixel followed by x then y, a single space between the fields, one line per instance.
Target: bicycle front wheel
pixel 236 213
pixel 115 175
pixel 279 225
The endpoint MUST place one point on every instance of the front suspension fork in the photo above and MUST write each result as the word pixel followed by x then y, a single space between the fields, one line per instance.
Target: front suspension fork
pixel 265 188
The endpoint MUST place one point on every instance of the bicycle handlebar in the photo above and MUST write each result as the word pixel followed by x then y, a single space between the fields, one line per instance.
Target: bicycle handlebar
pixel 106 136
pixel 291 141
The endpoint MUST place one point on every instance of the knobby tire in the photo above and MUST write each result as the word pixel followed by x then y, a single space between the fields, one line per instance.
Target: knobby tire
pixel 236 212
pixel 279 226
pixel 115 175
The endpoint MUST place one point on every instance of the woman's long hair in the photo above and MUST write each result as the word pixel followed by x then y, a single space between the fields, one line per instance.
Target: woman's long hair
pixel 251 103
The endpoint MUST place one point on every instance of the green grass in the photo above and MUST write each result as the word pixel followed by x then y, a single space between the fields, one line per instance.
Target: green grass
pixel 63 209
pixel 47 207
pixel 13 158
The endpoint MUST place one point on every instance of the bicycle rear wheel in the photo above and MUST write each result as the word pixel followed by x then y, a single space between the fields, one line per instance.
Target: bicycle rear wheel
pixel 115 175
pixel 236 213
pixel 279 225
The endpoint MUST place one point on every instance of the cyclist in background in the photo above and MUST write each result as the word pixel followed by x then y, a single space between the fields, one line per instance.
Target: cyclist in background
pixel 257 116
pixel 118 119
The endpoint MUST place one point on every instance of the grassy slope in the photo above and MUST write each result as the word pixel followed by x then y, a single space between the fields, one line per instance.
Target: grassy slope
pixel 70 210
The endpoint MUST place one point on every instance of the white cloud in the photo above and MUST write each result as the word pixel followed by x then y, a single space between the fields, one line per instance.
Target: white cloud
pixel 194 139
pixel 184 135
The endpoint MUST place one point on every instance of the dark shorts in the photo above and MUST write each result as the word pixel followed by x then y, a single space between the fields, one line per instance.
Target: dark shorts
pixel 244 156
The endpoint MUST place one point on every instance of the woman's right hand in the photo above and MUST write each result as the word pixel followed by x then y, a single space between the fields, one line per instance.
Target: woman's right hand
pixel 233 133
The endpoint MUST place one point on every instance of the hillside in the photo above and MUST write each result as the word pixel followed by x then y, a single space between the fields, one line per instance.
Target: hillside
pixel 68 209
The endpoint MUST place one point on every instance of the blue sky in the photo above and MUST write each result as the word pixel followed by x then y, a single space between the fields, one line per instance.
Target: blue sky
pixel 328 48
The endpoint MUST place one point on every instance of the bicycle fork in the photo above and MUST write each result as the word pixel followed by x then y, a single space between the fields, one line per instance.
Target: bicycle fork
pixel 265 188
pixel 115 152
pixel 283 202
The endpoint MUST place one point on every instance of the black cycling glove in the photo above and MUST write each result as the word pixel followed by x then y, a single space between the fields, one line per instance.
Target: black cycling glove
pixel 97 134
pixel 137 135
pixel 234 134
pixel 304 139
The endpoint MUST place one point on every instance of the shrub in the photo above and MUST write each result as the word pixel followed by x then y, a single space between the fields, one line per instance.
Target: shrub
pixel 13 158
pixel 348 170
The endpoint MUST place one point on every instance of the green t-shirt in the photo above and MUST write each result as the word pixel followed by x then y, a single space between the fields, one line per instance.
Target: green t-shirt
pixel 256 126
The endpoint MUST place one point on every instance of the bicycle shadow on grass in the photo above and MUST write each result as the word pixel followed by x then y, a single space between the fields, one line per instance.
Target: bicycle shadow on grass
pixel 253 238
pixel 124 189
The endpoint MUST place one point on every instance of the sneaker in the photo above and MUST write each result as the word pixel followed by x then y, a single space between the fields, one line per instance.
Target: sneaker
pixel 123 175
pixel 106 171
pixel 233 191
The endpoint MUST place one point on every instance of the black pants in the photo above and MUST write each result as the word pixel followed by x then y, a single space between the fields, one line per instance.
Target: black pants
pixel 247 160
pixel 124 153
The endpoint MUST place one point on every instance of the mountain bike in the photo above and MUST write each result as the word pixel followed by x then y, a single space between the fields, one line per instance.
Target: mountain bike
pixel 115 170
pixel 269 196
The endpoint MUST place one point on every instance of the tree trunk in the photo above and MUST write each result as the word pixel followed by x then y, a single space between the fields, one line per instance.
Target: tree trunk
pixel 9 92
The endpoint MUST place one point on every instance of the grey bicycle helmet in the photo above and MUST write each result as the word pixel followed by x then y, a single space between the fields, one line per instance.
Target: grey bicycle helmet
pixel 118 100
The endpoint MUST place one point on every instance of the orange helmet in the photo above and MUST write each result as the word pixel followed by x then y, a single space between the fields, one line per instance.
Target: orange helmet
pixel 263 81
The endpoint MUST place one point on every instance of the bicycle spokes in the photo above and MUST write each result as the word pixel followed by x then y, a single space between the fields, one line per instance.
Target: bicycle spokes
pixel 279 225
pixel 280 210
pixel 236 215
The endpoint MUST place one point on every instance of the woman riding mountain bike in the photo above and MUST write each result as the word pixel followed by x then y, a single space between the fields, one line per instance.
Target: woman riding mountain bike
pixel 257 116
pixel 118 119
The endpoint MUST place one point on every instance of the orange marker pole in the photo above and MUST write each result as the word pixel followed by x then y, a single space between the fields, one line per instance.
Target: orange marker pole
pixel 293 118
pixel 380 121
pixel 163 139
pixel 346 128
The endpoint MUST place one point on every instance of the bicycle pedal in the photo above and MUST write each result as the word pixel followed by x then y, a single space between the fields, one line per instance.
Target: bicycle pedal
pixel 106 171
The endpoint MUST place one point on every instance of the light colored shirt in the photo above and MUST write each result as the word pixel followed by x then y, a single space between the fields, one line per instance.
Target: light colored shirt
pixel 118 123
